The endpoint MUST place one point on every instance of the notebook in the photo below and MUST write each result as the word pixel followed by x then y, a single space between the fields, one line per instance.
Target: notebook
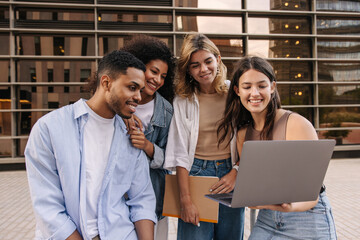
pixel 279 171
pixel 199 186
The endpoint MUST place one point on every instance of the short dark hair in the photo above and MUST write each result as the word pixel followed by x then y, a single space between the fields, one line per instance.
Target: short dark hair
pixel 113 64
pixel 148 48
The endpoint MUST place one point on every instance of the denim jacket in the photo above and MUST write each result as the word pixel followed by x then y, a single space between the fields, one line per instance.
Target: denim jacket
pixel 157 133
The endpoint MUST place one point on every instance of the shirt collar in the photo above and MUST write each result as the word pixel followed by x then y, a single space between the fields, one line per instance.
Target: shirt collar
pixel 81 110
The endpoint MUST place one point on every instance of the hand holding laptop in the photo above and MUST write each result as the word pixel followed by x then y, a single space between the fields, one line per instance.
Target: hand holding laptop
pixel 289 207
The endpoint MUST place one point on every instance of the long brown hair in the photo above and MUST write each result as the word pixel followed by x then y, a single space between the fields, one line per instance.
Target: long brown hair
pixel 185 85
pixel 236 115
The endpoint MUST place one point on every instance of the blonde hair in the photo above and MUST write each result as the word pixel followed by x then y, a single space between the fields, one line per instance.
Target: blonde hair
pixel 185 85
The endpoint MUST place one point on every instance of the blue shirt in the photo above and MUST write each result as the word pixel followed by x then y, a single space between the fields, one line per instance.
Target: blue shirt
pixel 56 175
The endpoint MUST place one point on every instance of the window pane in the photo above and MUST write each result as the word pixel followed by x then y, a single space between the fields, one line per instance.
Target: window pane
pixel 296 5
pixel 307 113
pixel 5 148
pixel 108 44
pixel 4 46
pixel 292 70
pixel 338 49
pixel 43 98
pixel 295 94
pixel 338 26
pixel 339 94
pixel 55 45
pixel 281 48
pixel 5 120
pixel 209 24
pixel 4 69
pixel 213 4
pixel 26 121
pixel 36 71
pixel 340 117
pixel 5 99
pixel 229 47
pixel 338 5
pixel 135 21
pixel 342 137
pixel 339 72
pixel 54 18
pixel 290 25
pixel 4 17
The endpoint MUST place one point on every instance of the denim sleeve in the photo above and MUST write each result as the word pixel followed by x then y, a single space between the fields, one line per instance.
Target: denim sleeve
pixel 159 157
pixel 46 194
pixel 141 193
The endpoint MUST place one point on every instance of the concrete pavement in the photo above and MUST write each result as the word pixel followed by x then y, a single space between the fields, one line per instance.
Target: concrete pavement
pixel 342 183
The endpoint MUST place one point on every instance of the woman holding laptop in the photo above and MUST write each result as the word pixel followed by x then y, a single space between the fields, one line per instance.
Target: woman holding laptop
pixel 253 113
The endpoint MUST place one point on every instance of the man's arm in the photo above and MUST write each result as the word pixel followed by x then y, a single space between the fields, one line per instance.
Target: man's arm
pixel 45 189
pixel 75 236
pixel 141 194
pixel 145 229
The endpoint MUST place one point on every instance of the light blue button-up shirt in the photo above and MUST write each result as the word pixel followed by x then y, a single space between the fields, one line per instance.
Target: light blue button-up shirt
pixel 56 174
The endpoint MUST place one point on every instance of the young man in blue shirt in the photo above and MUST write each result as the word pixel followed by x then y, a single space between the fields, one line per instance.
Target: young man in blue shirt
pixel 81 164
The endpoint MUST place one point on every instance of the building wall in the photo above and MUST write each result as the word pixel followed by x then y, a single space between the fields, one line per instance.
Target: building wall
pixel 48 49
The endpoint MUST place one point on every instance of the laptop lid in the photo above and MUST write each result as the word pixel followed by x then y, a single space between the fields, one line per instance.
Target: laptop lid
pixel 281 171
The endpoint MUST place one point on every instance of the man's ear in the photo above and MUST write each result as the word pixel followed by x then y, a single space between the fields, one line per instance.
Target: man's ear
pixel 105 81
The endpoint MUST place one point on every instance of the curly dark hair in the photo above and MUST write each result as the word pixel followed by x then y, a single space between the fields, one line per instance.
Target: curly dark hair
pixel 148 48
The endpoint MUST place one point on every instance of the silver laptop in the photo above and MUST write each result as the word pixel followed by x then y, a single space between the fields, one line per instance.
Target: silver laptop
pixel 279 171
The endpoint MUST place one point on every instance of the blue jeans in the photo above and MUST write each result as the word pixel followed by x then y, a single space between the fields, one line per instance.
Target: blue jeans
pixel 316 223
pixel 231 220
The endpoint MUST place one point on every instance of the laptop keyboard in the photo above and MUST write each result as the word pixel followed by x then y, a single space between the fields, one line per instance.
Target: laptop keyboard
pixel 223 196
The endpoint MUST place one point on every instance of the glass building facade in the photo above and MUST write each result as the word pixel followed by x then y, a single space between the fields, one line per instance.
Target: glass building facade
pixel 48 49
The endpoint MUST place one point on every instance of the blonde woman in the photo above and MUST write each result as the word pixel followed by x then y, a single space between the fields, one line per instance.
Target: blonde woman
pixel 201 90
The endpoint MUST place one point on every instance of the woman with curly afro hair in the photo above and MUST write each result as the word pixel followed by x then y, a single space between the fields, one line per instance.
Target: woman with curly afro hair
pixel 154 113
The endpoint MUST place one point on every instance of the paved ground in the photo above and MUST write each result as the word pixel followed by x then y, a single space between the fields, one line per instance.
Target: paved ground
pixel 342 182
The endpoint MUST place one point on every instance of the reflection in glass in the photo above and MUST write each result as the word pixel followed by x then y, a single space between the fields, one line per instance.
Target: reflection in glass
pixel 54 18
pixel 281 48
pixel 43 98
pixel 209 24
pixel 307 113
pixel 339 72
pixel 137 2
pixel 294 5
pixel 5 121
pixel 296 94
pixel 4 70
pixel 342 137
pixel 339 94
pixel 108 44
pixel 229 47
pixel 341 117
pixel 286 25
pixel 33 71
pixel 55 45
pixel 212 4
pixel 135 21
pixel 5 99
pixel 338 26
pixel 5 148
pixel 338 49
pixel 338 5
pixel 292 71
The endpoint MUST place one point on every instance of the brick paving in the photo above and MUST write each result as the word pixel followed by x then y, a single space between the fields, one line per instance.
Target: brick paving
pixel 342 182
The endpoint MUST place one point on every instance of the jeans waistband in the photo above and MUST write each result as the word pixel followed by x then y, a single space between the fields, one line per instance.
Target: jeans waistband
pixel 212 163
